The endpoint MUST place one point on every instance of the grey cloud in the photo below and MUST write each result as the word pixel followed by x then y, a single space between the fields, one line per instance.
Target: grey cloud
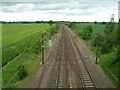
pixel 55 5
pixel 69 7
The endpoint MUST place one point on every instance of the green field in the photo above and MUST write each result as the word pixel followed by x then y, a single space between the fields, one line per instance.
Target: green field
pixel 97 28
pixel 18 37
pixel 12 33
pixel 22 47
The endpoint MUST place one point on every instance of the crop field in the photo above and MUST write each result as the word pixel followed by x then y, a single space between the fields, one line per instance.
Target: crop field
pixel 22 47
pixel 97 28
pixel 16 32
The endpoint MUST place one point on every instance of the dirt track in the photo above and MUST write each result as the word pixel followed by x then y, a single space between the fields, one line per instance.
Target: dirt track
pixel 67 66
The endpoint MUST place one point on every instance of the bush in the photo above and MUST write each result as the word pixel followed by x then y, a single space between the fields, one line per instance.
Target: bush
pixel 105 49
pixel 87 32
pixel 22 72
pixel 53 30
pixel 118 54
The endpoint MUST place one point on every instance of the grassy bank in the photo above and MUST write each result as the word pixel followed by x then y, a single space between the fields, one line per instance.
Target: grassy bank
pixel 25 53
pixel 110 66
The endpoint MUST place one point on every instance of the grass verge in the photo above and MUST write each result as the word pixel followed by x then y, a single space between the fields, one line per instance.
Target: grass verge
pixel 110 66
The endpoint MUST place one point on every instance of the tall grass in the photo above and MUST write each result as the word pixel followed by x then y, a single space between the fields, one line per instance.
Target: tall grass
pixel 111 67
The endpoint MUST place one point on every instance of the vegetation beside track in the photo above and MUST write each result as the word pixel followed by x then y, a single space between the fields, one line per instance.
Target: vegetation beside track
pixel 103 40
pixel 25 52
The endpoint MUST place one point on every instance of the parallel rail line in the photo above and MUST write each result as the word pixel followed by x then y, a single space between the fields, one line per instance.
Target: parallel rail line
pixel 88 81
pixel 84 79
pixel 69 69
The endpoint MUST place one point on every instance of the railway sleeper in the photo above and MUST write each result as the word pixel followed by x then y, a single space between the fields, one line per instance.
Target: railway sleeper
pixel 62 84
pixel 90 86
pixel 86 79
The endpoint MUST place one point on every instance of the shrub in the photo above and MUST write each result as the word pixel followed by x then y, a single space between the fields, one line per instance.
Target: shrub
pixel 87 32
pixel 105 49
pixel 22 72
pixel 118 54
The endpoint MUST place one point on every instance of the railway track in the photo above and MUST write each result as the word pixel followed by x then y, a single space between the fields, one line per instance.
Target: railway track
pixel 69 70
pixel 85 76
pixel 59 73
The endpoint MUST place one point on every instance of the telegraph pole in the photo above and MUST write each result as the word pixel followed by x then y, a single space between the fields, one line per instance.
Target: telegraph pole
pixel 96 61
pixel 42 48
pixel 97 56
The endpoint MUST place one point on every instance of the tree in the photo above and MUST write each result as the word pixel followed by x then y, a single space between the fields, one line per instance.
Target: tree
pixel 37 22
pixel 110 37
pixel 98 40
pixel 103 22
pixel 50 22
pixel 95 22
pixel 87 32
pixel 97 43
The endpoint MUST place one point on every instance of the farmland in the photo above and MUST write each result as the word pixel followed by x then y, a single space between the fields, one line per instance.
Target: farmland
pixel 22 48
pixel 97 28
pixel 16 32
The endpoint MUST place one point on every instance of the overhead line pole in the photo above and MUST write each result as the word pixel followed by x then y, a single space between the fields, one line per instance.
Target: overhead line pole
pixel 42 48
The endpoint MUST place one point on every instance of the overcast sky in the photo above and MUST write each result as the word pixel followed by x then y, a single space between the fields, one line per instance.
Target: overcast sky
pixel 58 10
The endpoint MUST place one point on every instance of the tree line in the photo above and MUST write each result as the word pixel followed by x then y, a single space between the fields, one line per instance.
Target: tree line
pixel 27 22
